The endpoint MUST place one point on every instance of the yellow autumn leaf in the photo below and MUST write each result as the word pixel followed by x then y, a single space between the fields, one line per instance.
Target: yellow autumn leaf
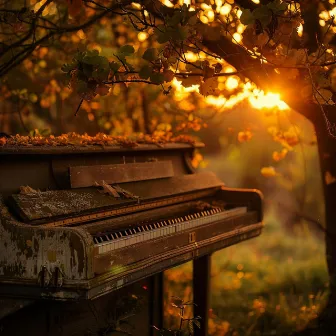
pixel 209 86
pixel 191 80
pixel 244 136
pixel 328 178
pixel 278 156
pixel 269 172
pixel 323 96
pixel 307 91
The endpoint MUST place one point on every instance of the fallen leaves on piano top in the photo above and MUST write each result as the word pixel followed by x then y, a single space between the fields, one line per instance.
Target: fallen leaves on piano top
pixel 114 191
pixel 100 139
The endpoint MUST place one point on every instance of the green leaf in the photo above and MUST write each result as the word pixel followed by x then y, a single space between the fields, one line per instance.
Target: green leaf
pixel 79 56
pixel 93 52
pixel 127 50
pixel 175 19
pixel 263 14
pixel 157 77
pixel 247 17
pixel 150 54
pixel 114 66
pixel 87 69
pixel 278 6
pixel 180 34
pixel 94 60
pixel 145 72
pixel 81 86
pixel 104 63
pixel 69 67
pixel 100 74
pixel 163 37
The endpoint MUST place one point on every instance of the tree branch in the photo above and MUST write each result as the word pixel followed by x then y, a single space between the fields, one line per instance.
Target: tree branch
pixel 17 59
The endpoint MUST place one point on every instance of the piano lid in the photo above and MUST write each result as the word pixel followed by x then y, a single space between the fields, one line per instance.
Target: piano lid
pixel 71 149
pixel 42 207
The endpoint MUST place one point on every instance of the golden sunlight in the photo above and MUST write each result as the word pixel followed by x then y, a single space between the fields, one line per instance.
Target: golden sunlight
pixel 232 83
pixel 237 38
pixel 259 100
pixel 190 56
pixel 225 10
pixel 300 30
pixel 142 36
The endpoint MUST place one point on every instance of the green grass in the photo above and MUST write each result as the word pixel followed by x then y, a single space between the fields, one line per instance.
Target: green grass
pixel 270 285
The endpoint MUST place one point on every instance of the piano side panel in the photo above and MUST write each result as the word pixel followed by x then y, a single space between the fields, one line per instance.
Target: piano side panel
pixel 25 250
pixel 252 198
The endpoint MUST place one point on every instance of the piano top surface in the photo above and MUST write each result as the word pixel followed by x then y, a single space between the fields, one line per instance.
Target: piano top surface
pixel 71 149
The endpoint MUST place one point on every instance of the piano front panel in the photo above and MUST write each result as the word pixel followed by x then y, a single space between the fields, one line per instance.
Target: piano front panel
pixel 145 268
pixel 167 246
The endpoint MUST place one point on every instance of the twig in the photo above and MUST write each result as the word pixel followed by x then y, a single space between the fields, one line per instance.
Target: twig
pixel 78 107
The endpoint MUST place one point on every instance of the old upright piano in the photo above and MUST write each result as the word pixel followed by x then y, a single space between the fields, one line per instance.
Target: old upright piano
pixel 80 225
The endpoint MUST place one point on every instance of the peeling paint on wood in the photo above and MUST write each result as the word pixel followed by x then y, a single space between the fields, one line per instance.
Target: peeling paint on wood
pixel 26 249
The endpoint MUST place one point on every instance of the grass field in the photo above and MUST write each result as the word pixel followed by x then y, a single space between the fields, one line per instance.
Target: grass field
pixel 270 285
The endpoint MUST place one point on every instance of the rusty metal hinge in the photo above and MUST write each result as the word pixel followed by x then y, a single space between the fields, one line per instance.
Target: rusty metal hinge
pixel 44 277
pixel 48 279
pixel 58 277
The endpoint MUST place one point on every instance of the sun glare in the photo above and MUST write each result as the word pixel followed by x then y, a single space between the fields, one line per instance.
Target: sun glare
pixel 258 99
pixel 231 83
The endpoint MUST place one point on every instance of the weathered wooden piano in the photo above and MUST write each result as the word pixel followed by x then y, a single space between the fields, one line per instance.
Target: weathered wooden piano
pixel 82 226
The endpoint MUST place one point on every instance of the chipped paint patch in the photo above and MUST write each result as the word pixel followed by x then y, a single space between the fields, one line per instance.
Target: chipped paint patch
pixel 26 249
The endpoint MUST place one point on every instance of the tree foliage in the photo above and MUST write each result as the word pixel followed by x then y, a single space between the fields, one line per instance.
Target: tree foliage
pixel 99 45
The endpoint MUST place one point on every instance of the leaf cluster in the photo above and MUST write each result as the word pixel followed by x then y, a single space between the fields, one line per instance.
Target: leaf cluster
pixel 263 13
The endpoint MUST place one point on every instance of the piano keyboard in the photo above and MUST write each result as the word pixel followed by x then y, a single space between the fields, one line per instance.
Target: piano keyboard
pixel 117 240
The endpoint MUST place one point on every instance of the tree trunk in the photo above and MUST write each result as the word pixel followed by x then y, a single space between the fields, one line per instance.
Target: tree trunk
pixel 327 156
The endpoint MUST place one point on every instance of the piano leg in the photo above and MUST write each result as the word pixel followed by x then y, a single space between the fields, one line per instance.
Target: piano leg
pixel 156 302
pixel 201 289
